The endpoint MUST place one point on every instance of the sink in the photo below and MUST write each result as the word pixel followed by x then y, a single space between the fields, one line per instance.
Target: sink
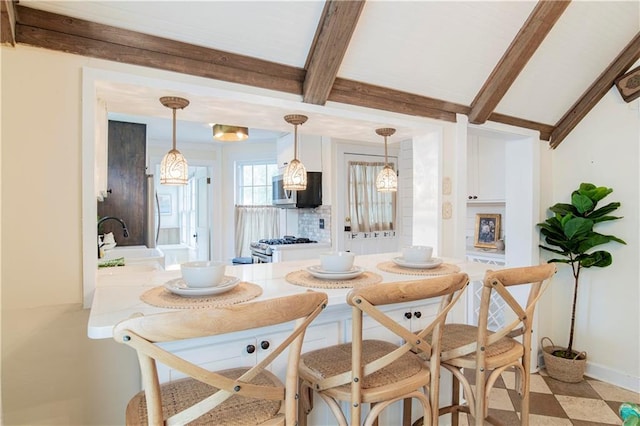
pixel 132 268
pixel 135 254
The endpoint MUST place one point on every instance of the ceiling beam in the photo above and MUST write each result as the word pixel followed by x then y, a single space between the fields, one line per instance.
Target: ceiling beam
pixel 7 22
pixel 71 35
pixel 524 45
pixel 625 60
pixel 63 33
pixel 544 129
pixel 336 26
pixel 370 96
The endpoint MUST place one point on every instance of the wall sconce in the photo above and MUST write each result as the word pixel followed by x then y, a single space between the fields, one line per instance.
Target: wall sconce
pixel 174 169
pixel 295 175
pixel 225 133
pixel 387 179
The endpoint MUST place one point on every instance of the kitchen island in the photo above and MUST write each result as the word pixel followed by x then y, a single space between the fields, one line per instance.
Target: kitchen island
pixel 118 292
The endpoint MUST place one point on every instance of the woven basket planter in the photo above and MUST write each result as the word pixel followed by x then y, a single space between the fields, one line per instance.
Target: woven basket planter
pixel 565 370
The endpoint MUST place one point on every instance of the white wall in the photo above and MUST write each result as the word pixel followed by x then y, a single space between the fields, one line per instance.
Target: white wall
pixel 53 374
pixel 604 150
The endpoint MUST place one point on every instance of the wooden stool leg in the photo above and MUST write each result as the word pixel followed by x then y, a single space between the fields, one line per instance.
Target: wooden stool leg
pixel 305 403
pixel 455 401
pixel 406 412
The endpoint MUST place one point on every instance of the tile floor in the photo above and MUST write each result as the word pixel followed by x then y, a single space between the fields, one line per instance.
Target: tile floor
pixel 588 403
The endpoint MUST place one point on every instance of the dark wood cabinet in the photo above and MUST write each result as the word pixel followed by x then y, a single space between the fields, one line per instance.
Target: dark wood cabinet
pixel 126 183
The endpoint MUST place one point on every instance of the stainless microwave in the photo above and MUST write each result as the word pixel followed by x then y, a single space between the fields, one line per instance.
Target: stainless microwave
pixel 309 198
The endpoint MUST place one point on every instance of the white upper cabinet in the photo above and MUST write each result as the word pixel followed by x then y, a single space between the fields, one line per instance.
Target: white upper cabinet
pixel 309 151
pixel 486 169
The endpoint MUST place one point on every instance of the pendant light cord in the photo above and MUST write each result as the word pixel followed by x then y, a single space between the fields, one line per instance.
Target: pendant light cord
pixel 174 129
pixel 386 161
pixel 295 142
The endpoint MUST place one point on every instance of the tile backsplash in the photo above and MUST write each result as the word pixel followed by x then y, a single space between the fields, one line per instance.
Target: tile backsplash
pixel 309 223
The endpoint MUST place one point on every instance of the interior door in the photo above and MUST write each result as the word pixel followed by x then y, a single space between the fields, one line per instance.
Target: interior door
pixel 202 214
pixel 378 241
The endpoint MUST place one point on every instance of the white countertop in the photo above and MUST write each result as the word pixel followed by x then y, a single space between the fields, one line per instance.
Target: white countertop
pixel 118 290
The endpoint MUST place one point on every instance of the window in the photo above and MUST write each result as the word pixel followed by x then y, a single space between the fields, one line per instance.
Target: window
pixel 255 217
pixel 254 183
pixel 369 209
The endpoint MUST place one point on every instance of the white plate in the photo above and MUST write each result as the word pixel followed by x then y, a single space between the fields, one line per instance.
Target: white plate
pixel 318 269
pixel 419 265
pixel 318 272
pixel 178 286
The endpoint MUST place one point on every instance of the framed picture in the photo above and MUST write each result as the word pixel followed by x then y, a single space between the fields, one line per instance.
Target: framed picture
pixel 487 230
pixel 164 204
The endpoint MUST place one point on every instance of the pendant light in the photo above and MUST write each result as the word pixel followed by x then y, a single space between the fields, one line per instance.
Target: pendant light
pixel 387 180
pixel 295 175
pixel 174 169
pixel 226 133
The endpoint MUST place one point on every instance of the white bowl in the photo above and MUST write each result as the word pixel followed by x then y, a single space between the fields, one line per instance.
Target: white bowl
pixel 417 254
pixel 202 273
pixel 337 261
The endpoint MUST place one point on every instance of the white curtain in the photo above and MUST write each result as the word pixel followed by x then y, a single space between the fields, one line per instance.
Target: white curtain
pixel 254 223
pixel 369 209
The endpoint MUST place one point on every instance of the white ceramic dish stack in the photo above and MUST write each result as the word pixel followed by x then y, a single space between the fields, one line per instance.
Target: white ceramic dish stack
pixel 432 263
pixel 180 287
pixel 318 272
pixel 202 274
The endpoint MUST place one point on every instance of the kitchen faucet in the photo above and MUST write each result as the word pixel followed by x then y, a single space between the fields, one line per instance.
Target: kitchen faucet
pixel 125 231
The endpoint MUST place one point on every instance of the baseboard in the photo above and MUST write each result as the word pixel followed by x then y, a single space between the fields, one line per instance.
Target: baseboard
pixel 613 377
pixel 604 374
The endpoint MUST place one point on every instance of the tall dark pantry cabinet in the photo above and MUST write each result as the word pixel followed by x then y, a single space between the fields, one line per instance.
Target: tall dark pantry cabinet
pixel 127 183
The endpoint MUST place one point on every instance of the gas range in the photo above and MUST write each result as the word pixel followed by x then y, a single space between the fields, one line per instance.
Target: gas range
pixel 262 250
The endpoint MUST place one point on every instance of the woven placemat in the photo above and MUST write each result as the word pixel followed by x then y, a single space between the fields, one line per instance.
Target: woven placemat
pixel 163 298
pixel 305 279
pixel 442 269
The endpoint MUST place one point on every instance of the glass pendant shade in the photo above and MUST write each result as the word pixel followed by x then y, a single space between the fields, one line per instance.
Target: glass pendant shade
pixel 387 180
pixel 295 176
pixel 174 169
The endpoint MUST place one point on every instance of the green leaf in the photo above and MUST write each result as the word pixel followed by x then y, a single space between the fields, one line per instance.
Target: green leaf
pixel 577 227
pixel 604 218
pixel 599 259
pixel 594 193
pixel 563 220
pixel 582 203
pixel 564 209
pixel 604 210
pixel 553 250
pixel 559 261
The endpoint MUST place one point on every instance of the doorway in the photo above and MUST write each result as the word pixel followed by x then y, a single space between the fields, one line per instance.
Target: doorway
pixel 182 218
pixel 380 231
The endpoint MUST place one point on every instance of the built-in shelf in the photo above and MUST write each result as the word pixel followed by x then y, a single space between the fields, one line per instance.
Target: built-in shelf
pixel 486 202
pixel 476 252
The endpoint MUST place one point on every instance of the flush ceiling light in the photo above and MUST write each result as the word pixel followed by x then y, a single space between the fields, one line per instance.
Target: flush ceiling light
pixel 387 180
pixel 174 168
pixel 224 133
pixel 295 175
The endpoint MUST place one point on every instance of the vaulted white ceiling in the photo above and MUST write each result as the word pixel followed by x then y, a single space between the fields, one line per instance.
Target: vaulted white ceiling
pixel 438 49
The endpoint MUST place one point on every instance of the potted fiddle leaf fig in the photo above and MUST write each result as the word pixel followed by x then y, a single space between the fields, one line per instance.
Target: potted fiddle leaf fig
pixel 570 234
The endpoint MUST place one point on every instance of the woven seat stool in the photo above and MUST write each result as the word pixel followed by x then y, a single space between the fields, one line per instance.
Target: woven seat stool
pixel 241 396
pixel 490 353
pixel 376 372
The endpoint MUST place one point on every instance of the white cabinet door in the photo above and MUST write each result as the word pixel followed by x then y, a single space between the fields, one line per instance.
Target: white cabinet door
pixel 486 169
pixel 309 151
